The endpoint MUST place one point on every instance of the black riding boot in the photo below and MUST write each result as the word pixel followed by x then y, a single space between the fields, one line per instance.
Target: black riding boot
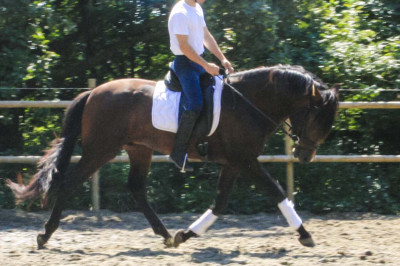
pixel 185 128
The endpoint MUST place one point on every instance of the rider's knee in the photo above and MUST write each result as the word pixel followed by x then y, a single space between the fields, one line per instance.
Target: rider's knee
pixel 197 108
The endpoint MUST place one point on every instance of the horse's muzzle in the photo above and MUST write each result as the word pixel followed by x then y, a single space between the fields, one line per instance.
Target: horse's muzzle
pixel 305 155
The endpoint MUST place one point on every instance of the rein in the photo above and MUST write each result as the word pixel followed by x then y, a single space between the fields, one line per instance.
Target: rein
pixel 264 115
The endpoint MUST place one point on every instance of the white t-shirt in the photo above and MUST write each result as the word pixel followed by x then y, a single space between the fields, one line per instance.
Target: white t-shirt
pixel 186 20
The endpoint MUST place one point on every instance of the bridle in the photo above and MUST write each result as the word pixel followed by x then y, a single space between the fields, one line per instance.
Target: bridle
pixel 306 143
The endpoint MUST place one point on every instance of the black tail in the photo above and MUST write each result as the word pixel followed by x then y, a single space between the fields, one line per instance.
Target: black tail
pixel 56 160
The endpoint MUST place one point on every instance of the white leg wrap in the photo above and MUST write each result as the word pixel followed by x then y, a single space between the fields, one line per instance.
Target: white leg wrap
pixel 287 209
pixel 203 223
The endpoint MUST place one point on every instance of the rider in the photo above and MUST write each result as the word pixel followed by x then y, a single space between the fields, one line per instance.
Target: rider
pixel 188 36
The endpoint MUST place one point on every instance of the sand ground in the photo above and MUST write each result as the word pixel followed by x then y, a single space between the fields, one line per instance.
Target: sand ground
pixel 108 238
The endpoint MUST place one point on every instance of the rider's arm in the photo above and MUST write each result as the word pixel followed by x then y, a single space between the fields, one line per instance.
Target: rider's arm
pixel 212 46
pixel 190 53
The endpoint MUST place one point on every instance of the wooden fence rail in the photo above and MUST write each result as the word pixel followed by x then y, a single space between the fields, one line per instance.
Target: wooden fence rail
pixel 261 159
pixel 63 104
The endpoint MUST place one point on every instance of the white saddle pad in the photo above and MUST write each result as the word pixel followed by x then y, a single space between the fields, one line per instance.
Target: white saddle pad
pixel 166 107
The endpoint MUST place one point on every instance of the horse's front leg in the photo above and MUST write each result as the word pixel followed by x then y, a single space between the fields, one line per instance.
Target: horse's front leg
pixel 226 180
pixel 265 181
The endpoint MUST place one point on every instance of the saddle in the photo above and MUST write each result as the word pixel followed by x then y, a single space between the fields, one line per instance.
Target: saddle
pixel 205 120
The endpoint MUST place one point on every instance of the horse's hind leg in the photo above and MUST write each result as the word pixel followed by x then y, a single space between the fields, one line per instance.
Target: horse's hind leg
pixel 226 180
pixel 52 224
pixel 72 179
pixel 140 158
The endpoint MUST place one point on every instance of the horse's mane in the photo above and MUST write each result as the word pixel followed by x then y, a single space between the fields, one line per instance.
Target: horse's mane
pixel 299 79
pixel 293 81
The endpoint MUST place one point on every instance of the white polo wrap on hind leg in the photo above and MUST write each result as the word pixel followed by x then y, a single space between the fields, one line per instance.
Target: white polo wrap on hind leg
pixel 287 209
pixel 203 223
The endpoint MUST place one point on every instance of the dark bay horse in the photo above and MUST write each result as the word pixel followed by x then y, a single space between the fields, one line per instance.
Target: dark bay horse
pixel 117 115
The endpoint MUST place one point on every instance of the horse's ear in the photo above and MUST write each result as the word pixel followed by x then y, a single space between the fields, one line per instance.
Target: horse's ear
pixel 316 97
pixel 336 88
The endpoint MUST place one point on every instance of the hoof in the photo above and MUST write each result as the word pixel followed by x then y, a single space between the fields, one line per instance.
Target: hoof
pixel 178 238
pixel 169 243
pixel 307 242
pixel 41 241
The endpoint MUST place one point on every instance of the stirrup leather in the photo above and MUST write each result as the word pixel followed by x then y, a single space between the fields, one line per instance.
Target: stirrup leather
pixel 184 164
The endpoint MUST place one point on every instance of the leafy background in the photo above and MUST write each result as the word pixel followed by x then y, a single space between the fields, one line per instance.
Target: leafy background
pixel 63 43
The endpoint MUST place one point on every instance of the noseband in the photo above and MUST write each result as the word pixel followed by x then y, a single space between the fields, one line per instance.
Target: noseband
pixel 306 144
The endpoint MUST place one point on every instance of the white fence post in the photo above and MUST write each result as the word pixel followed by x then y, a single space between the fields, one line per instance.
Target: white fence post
pixel 95 177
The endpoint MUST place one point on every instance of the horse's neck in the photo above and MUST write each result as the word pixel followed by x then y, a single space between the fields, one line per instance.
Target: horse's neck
pixel 267 98
pixel 273 94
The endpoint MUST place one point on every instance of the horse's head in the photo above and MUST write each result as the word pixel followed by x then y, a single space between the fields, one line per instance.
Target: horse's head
pixel 313 123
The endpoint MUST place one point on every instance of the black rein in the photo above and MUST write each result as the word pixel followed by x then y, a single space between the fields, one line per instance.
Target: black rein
pixel 264 115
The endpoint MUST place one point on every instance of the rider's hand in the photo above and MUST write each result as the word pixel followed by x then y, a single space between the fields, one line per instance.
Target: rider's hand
pixel 212 69
pixel 227 65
